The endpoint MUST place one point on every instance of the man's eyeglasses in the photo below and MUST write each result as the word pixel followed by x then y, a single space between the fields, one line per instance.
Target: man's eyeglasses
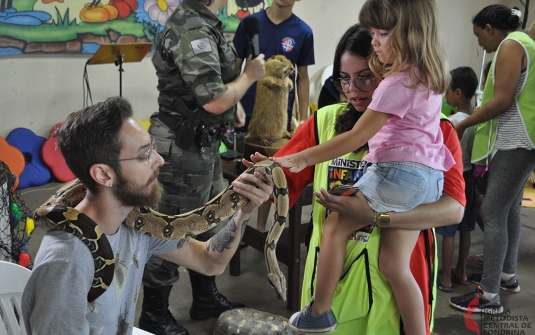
pixel 147 157
pixel 362 83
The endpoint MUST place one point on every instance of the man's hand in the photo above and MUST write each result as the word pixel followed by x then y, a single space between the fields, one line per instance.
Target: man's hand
pixel 239 120
pixel 257 157
pixel 254 68
pixel 257 188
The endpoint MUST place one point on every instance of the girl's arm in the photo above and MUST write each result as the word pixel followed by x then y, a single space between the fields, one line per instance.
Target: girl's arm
pixel 367 126
pixel 509 63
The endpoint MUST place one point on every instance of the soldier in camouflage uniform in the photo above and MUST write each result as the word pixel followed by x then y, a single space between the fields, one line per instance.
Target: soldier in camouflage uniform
pixel 200 85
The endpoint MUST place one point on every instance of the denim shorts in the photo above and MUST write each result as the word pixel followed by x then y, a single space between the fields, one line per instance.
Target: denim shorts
pixel 400 186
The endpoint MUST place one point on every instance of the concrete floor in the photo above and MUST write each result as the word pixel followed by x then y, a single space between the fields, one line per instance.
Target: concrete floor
pixel 252 288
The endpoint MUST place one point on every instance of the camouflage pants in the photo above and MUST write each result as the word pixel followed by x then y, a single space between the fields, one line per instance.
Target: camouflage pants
pixel 189 178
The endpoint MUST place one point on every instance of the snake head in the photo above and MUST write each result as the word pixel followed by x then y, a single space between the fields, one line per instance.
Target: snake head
pixel 278 283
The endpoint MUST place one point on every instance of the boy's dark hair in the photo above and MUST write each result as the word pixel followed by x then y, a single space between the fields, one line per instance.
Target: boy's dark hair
pixel 465 79
pixel 92 136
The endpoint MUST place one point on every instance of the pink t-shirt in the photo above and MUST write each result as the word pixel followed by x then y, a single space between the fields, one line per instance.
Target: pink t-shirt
pixel 413 132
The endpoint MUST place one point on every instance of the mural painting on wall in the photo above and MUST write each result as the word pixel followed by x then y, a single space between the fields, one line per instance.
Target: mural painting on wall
pixel 80 26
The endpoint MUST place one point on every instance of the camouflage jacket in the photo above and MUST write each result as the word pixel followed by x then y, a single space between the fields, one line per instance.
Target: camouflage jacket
pixel 194 61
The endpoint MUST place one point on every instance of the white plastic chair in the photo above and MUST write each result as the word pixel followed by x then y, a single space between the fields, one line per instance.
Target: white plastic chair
pixel 13 279
pixel 138 331
pixel 326 73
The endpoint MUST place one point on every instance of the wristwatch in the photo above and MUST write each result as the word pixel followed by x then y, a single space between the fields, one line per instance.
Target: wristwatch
pixel 382 220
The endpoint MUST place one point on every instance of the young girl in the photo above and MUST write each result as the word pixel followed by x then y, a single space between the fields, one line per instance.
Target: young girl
pixel 401 126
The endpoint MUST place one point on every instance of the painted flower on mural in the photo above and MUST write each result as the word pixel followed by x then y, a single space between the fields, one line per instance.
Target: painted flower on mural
pixel 160 10
pixel 243 8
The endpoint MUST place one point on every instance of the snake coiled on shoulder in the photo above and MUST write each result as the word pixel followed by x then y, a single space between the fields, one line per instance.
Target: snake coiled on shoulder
pixel 59 213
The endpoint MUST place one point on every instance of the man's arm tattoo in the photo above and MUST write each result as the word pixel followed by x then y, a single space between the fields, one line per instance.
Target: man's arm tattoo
pixel 235 93
pixel 180 243
pixel 223 239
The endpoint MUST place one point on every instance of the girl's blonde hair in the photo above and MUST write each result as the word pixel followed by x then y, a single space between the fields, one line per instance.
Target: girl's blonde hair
pixel 415 41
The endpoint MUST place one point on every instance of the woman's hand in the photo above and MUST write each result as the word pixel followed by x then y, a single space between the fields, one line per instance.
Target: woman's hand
pixel 355 207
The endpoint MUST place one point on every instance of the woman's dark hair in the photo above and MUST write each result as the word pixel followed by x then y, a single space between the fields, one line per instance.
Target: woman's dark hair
pixel 92 136
pixel 499 17
pixel 357 40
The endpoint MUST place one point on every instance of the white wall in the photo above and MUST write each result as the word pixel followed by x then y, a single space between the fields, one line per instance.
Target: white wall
pixel 38 91
pixel 330 19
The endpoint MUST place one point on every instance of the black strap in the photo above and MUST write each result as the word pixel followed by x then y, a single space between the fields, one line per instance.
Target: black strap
pixel 430 261
pixel 171 121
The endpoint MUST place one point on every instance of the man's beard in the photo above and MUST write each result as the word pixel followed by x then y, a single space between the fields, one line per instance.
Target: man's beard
pixel 132 196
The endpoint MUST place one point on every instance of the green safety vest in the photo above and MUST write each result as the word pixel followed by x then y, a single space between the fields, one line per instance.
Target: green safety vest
pixel 485 133
pixel 362 285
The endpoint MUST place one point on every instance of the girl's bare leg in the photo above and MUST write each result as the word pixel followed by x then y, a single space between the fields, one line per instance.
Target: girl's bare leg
pixel 394 261
pixel 336 231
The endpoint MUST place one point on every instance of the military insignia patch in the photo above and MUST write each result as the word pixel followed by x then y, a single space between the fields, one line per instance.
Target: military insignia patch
pixel 201 45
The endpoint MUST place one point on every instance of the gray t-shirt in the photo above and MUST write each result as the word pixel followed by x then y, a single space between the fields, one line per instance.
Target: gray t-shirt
pixel 467 140
pixel 55 298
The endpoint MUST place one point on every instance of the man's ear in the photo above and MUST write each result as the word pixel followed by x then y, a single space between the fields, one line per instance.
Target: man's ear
pixel 458 93
pixel 102 174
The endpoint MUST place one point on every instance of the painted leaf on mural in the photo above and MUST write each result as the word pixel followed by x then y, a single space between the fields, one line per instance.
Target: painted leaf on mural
pixel 80 26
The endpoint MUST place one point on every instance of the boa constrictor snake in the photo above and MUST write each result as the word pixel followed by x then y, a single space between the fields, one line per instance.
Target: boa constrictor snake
pixel 59 213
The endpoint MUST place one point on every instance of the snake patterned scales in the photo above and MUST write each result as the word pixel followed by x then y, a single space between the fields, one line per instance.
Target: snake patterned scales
pixel 59 213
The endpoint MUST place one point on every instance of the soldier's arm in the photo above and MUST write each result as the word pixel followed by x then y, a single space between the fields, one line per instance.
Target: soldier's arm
pixel 254 70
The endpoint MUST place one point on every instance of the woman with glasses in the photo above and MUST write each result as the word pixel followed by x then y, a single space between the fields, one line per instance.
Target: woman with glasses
pixel 402 128
pixel 363 301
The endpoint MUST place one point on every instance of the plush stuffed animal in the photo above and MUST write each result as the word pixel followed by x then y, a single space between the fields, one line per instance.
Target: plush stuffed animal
pixel 270 117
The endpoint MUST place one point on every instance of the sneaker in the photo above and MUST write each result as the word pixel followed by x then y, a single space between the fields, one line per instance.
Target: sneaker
pixel 305 323
pixel 511 285
pixel 475 302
